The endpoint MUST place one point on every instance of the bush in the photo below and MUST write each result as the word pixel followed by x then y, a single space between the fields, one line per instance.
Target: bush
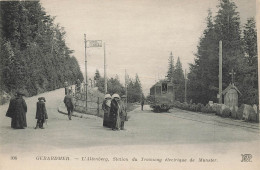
pixel 234 110
pixel 199 107
pixel 226 112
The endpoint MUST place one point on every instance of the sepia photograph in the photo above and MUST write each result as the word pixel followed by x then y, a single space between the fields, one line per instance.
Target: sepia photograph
pixel 129 84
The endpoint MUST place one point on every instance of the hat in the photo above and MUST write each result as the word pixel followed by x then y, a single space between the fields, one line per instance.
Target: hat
pixel 124 96
pixel 107 96
pixel 115 96
pixel 42 98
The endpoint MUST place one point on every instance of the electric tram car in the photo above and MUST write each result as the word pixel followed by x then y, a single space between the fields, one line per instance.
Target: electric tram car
pixel 162 96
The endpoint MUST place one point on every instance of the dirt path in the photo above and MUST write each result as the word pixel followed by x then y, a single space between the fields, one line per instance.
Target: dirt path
pixel 149 135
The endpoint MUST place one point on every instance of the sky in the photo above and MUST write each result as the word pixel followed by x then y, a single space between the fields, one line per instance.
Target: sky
pixel 139 34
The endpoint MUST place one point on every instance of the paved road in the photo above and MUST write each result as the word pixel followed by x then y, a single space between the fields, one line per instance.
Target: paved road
pixel 176 133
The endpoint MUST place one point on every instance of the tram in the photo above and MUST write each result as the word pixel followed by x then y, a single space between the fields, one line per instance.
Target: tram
pixel 162 96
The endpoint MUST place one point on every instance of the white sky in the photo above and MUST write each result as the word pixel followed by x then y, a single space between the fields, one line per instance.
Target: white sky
pixel 139 34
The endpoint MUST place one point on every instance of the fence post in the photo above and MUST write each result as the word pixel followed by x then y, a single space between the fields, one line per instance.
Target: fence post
pixel 98 106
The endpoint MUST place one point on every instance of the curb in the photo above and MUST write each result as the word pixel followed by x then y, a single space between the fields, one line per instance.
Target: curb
pixel 60 109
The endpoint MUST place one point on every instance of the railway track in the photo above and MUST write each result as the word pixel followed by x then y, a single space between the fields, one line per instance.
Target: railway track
pixel 213 120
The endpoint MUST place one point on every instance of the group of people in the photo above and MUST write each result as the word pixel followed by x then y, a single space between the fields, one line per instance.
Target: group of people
pixel 115 113
pixel 114 107
pixel 18 108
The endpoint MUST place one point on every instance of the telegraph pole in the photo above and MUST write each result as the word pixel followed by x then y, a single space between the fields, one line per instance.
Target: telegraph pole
pixel 185 94
pixel 86 74
pixel 126 86
pixel 220 73
pixel 105 67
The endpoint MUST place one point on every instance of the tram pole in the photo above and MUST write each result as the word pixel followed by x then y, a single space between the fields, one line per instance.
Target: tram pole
pixel 86 74
pixel 185 94
pixel 220 73
pixel 126 86
pixel 105 67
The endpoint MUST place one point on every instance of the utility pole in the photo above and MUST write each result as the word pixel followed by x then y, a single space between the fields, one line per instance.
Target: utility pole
pixel 126 86
pixel 185 93
pixel 220 73
pixel 86 73
pixel 105 67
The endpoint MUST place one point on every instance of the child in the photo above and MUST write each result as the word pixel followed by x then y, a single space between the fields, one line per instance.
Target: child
pixel 41 113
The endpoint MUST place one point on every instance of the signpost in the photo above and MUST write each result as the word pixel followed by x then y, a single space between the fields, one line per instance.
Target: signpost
pixel 89 44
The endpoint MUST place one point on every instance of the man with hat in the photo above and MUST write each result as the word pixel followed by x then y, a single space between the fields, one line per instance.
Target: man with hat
pixel 106 107
pixel 41 113
pixel 115 112
pixel 68 100
pixel 17 111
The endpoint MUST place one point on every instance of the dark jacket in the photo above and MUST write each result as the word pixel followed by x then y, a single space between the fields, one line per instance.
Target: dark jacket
pixel 11 108
pixel 68 101
pixel 19 116
pixel 41 112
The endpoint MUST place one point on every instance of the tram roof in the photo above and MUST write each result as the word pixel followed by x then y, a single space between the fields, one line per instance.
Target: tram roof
pixel 160 83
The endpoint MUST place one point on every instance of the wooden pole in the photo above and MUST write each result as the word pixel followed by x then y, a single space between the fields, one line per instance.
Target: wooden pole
pixel 220 72
pixel 105 67
pixel 185 93
pixel 126 86
pixel 86 73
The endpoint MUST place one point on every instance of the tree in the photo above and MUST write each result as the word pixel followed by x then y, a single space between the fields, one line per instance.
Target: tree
pixel 249 82
pixel 28 60
pixel 170 68
pixel 179 81
pixel 203 76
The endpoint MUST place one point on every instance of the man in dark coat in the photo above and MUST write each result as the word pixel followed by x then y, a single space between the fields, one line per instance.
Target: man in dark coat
pixel 123 115
pixel 17 111
pixel 41 113
pixel 68 100
pixel 66 85
pixel 142 103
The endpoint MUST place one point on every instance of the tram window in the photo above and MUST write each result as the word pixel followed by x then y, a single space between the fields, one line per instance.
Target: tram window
pixel 158 89
pixel 170 89
pixel 164 87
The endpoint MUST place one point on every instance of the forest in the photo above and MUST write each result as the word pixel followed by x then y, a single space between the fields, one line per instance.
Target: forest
pixel 239 51
pixel 134 87
pixel 34 55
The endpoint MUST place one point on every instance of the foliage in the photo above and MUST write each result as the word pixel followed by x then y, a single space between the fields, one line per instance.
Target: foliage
pixel 226 112
pixel 179 82
pixel 134 88
pixel 34 55
pixel 170 68
pixel 238 54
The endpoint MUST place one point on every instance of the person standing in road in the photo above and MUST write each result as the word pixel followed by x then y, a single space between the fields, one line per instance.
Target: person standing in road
pixel 123 116
pixel 106 107
pixel 115 111
pixel 17 111
pixel 41 113
pixel 66 85
pixel 78 84
pixel 68 101
pixel 11 110
pixel 142 103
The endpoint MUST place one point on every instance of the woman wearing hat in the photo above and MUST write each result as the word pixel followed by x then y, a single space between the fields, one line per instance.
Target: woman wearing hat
pixel 115 112
pixel 17 111
pixel 106 107
pixel 41 113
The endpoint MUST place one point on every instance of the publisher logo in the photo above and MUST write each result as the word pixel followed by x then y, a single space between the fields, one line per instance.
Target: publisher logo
pixel 246 158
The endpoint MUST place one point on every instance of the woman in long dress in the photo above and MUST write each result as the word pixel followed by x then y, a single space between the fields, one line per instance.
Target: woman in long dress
pixel 115 112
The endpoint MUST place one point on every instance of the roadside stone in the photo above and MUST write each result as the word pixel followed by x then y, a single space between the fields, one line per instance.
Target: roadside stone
pixel 247 113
